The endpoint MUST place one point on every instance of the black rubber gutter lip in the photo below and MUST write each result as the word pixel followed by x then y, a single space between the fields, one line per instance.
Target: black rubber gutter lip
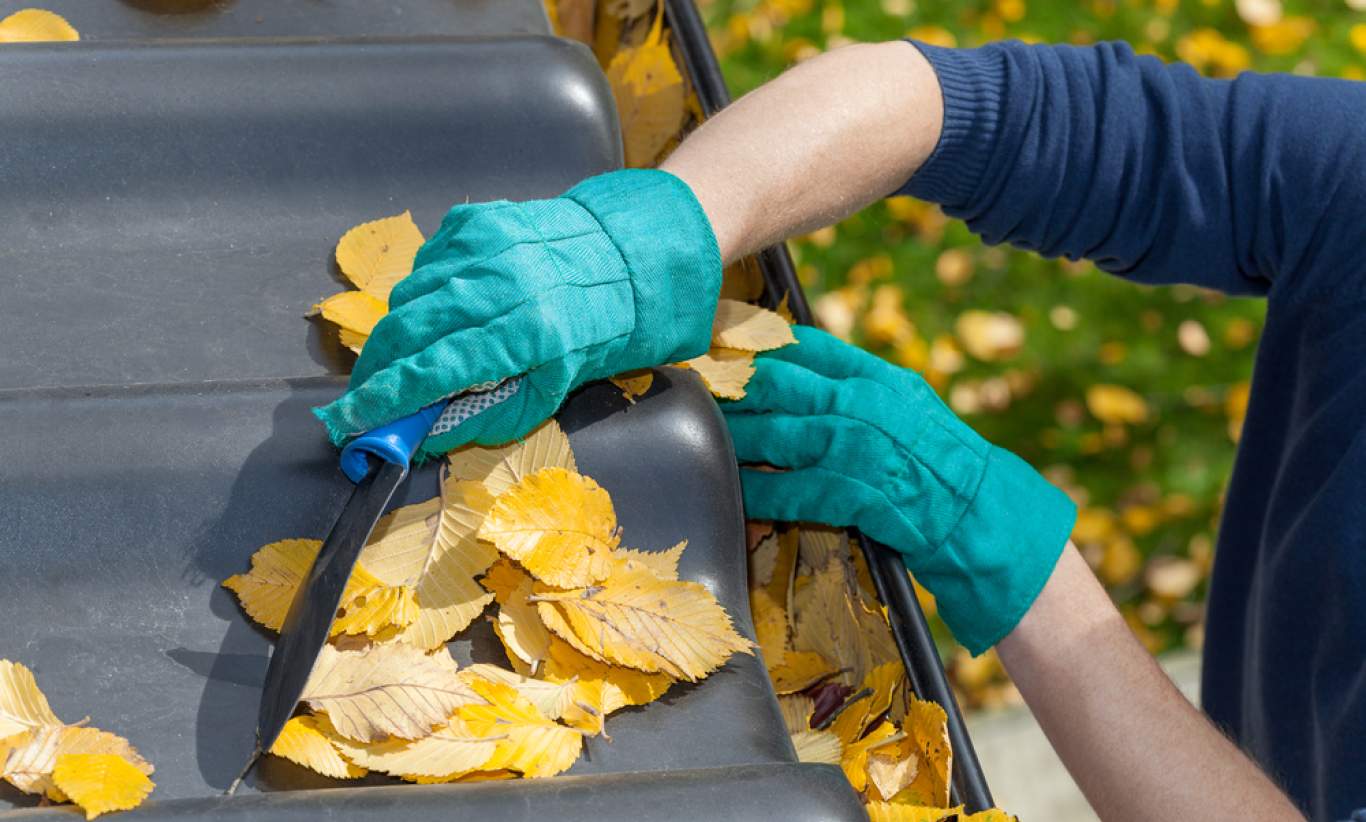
pixel 909 627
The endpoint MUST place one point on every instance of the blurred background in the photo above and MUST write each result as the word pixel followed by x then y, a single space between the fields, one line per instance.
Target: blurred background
pixel 1129 397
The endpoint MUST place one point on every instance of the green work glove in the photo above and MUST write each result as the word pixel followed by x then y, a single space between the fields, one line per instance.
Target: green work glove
pixel 870 445
pixel 620 272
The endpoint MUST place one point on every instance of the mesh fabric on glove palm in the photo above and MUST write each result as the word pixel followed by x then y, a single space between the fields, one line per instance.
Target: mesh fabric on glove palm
pixel 871 445
pixel 620 272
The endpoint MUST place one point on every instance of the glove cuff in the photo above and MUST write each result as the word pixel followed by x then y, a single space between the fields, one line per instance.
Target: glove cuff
pixel 657 224
pixel 1001 552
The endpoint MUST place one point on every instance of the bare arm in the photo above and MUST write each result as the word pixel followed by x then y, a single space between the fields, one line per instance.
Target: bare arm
pixel 1135 746
pixel 823 141
pixel 812 147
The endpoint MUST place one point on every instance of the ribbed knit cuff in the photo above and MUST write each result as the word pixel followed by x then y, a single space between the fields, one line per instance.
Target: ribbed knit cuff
pixel 973 85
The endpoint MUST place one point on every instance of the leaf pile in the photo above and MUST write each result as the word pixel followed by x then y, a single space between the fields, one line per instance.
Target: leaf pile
pixel 840 682
pixel 589 626
pixel 40 754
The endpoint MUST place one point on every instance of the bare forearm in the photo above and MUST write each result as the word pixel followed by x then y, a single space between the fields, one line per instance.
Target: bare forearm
pixel 1135 746
pixel 813 146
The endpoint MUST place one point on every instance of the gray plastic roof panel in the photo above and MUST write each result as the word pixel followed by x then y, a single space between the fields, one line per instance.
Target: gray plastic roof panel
pixel 169 211
pixel 159 19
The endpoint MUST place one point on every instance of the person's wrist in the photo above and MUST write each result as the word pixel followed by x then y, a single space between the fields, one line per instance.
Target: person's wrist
pixel 671 254
pixel 1000 553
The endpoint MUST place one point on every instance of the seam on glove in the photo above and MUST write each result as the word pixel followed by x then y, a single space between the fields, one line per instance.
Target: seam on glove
pixel 625 264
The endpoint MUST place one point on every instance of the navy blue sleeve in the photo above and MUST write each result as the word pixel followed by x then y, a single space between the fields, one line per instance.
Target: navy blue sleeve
pixel 1151 171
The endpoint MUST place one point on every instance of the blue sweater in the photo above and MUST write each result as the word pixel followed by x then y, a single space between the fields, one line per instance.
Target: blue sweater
pixel 1250 186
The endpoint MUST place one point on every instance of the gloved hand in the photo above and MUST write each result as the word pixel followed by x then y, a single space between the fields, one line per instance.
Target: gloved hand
pixel 871 445
pixel 620 272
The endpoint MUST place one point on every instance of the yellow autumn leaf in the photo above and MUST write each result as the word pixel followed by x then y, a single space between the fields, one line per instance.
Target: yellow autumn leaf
pixel 828 623
pixel 100 783
pixel 797 710
pixel 725 371
pixel 578 703
pixel 990 336
pixel 818 544
pixel 450 751
pixel 529 741
pixel 1115 404
pixel 892 768
pixel 852 717
pixel 355 313
pixel 643 622
pixel 634 384
pixel 770 627
pixel 36 26
pixel 663 564
pixel 376 255
pixel 742 280
pixel 22 706
pixel 385 690
pixel 650 96
pixel 855 758
pixel 504 466
pixel 990 815
pixel 302 743
pixel 621 687
pixel 502 578
pixel 927 724
pixel 29 764
pixel 817 746
pixel 800 670
pixel 375 610
pixel 559 525
pixel 900 812
pixel 431 550
pixel 744 327
pixel 277 570
pixel 520 628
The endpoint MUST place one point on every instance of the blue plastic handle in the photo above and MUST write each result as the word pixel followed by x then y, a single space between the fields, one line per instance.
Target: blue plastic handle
pixel 395 442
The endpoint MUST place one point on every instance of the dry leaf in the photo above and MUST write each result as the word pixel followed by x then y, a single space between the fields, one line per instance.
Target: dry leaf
pixel 892 768
pixel 559 525
pixel 36 26
pixel 376 255
pixel 643 622
pixel 649 94
pixel 502 578
pixel 662 564
pixel 796 710
pixel 530 742
pixel 829 623
pixel 855 761
pixel 742 280
pixel 375 610
pixel 277 570
pixel 927 724
pixel 448 597
pixel 621 687
pixel 746 327
pixel 385 690
pixel 31 761
pixel 799 671
pixel 355 313
pixel 634 384
pixel 503 467
pixel 22 706
pixel 302 743
pixel 817 545
pixel 817 746
pixel 520 628
pixel 100 783
pixel 725 371
pixel 452 750
pixel 770 627
pixel 899 812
